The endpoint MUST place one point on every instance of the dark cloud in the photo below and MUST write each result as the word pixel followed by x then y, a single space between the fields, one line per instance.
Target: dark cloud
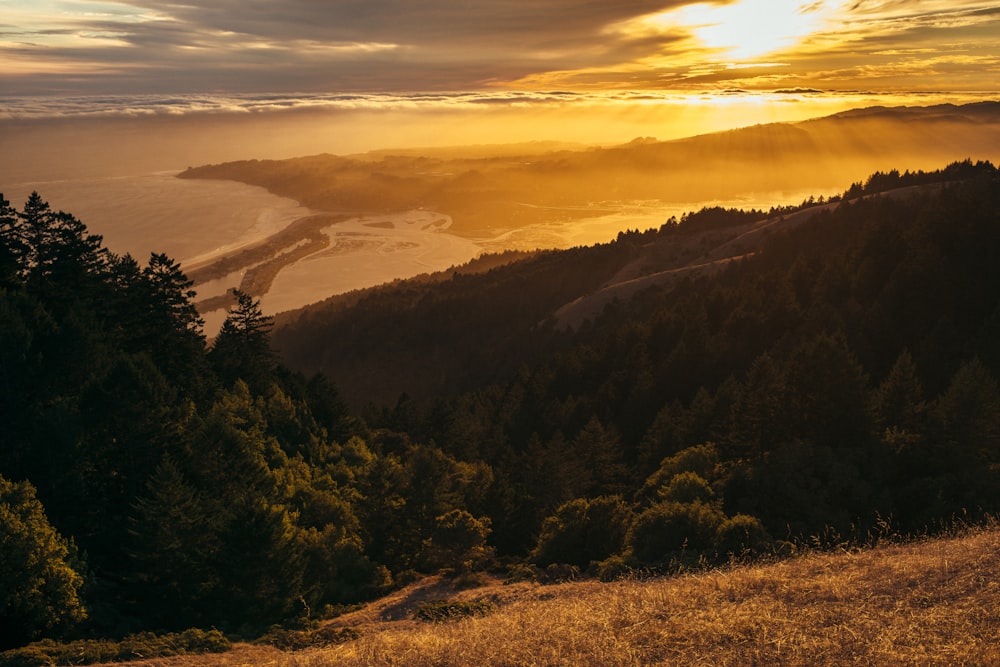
pixel 346 45
pixel 508 23
pixel 297 46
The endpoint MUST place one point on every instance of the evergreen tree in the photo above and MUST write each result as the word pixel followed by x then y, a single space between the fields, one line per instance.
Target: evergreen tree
pixel 171 295
pixel 898 403
pixel 242 350
pixel 11 249
pixel 57 255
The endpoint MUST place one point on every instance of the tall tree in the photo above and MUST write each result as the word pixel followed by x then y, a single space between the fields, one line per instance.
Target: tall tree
pixel 242 350
pixel 10 245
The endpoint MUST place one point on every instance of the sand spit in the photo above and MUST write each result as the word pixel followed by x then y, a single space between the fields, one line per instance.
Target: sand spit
pixel 329 253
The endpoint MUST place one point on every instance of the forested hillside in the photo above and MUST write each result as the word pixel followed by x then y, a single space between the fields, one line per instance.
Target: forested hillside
pixel 843 372
pixel 828 373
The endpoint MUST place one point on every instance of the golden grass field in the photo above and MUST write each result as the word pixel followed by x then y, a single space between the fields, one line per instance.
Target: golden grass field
pixel 927 602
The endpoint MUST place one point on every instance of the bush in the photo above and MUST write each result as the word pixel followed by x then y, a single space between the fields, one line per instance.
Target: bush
pixel 559 573
pixel 522 572
pixel 687 487
pixel 702 460
pixel 582 531
pixel 741 534
pixel 612 569
pixel 667 529
pixel 458 542
pixel 143 645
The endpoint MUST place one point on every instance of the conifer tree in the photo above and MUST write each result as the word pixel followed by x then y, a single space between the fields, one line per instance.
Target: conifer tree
pixel 171 294
pixel 242 350
pixel 10 245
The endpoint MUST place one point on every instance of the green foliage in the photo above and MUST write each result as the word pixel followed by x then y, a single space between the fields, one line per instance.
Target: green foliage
pixel 139 646
pixel 741 535
pixel 612 569
pixel 702 461
pixel 458 541
pixel 582 531
pixel 687 487
pixel 39 586
pixel 898 402
pixel 523 572
pixel 668 529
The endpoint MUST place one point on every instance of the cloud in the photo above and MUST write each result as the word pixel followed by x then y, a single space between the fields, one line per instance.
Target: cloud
pixel 146 46
pixel 302 44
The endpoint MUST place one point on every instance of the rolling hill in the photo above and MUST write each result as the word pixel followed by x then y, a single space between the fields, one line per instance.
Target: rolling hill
pixel 489 190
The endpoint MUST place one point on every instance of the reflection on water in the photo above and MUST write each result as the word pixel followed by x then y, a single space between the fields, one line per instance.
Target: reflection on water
pixel 159 213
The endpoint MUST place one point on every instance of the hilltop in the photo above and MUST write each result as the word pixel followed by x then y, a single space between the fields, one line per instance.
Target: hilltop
pixel 441 331
pixel 488 190
pixel 425 209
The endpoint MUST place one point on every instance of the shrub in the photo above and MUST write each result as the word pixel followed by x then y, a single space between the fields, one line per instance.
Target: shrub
pixel 440 611
pixel 611 569
pixel 741 534
pixel 559 573
pixel 458 541
pixel 687 487
pixel 143 645
pixel 522 572
pixel 703 460
pixel 668 528
pixel 582 531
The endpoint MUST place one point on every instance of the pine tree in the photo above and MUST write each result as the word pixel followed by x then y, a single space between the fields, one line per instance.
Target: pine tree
pixel 242 350
pixel 11 249
pixel 171 294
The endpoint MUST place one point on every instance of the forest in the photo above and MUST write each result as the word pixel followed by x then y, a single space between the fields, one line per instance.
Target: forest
pixel 842 375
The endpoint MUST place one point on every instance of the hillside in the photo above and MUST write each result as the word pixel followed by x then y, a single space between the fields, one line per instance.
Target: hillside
pixel 929 602
pixel 843 369
pixel 388 214
pixel 490 190
pixel 465 328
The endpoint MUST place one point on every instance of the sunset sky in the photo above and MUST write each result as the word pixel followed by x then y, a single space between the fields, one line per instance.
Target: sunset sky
pixel 87 47
pixel 281 78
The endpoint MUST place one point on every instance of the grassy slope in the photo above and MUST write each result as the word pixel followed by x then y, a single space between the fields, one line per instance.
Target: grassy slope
pixel 929 602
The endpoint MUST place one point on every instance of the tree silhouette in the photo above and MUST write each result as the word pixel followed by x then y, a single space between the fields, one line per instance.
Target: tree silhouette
pixel 242 350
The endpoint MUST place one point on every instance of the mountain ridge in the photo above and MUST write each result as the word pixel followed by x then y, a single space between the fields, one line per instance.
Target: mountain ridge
pixel 544 293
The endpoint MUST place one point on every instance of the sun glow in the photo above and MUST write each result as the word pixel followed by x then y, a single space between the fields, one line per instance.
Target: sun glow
pixel 750 28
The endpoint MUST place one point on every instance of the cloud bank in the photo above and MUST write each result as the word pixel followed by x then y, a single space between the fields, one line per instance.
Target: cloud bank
pixel 147 47
pixel 521 102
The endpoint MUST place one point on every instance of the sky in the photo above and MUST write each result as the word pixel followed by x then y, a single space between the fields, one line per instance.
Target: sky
pixel 71 48
pixel 99 86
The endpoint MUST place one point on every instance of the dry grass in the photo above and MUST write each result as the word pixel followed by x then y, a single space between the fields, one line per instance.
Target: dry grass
pixel 932 602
